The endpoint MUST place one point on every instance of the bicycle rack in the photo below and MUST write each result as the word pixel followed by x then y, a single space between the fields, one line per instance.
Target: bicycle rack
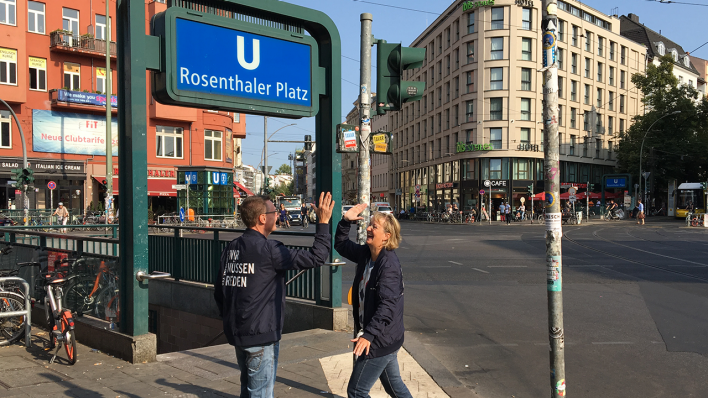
pixel 28 309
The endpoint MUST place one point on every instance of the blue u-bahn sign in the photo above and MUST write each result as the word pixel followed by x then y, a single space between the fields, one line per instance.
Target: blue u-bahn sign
pixel 616 182
pixel 222 63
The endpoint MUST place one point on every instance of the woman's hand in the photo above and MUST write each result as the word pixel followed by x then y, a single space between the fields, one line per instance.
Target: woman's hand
pixel 361 343
pixel 353 213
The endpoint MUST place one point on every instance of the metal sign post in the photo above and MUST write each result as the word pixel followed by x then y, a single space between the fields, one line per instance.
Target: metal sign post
pixel 52 186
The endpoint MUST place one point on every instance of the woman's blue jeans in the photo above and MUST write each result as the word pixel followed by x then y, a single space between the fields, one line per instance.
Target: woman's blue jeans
pixel 367 371
pixel 258 366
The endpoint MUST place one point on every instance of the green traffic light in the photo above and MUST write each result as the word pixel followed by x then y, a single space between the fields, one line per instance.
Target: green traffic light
pixel 392 60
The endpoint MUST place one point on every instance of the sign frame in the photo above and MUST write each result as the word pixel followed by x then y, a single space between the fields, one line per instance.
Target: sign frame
pixel 164 82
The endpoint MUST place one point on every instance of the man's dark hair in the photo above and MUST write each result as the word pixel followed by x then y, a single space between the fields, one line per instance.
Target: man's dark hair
pixel 251 208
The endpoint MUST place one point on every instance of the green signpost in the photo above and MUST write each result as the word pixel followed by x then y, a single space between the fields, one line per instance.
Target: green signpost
pixel 287 63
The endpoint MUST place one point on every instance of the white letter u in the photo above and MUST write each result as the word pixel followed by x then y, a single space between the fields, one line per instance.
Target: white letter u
pixel 256 54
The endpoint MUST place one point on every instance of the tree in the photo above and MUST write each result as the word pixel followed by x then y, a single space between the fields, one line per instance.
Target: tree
pixel 283 189
pixel 284 169
pixel 675 146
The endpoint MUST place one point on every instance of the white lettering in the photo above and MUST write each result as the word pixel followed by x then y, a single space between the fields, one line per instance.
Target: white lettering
pixel 196 83
pixel 212 81
pixel 256 59
pixel 304 95
pixel 183 74
pixel 279 88
pixel 205 82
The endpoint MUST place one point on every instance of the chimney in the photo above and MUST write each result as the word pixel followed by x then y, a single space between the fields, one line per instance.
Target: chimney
pixel 633 17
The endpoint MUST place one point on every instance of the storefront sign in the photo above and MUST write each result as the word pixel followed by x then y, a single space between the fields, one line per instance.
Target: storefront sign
pixel 40 166
pixel 445 185
pixel 155 173
pixel 471 5
pixel 573 184
pixel 528 147
pixel 74 133
pixel 462 147
pixel 524 3
pixel 498 183
pixel 78 97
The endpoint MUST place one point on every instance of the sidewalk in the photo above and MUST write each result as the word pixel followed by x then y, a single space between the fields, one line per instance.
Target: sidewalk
pixel 314 363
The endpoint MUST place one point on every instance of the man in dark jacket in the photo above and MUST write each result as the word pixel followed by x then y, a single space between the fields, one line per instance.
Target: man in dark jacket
pixel 250 289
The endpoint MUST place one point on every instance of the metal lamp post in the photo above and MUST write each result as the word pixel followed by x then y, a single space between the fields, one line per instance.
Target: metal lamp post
pixel 266 138
pixel 641 150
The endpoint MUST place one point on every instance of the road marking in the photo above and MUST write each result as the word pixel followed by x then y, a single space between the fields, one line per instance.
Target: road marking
pixel 457 239
pixel 480 270
pixel 454 262
pixel 507 266
pixel 611 342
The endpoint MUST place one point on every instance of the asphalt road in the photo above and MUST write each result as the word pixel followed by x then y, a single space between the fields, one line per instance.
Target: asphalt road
pixel 635 308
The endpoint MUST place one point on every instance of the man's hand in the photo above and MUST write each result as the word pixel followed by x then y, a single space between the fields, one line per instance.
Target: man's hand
pixel 324 210
pixel 353 213
pixel 361 345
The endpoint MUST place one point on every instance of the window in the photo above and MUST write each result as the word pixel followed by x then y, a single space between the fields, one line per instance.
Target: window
pixel 526 79
pixel 8 66
pixel 561 82
pixel 586 121
pixel 621 103
pixel 573 113
pixel 457 58
pixel 661 48
pixel 621 126
pixel 611 100
pixel 495 138
pixel 456 28
pixel 599 98
pixel 495 108
pixel 496 79
pixel 439 96
pixel 447 65
pixel 101 27
pixel 457 89
pixel 5 131
pixel 35 17
pixel 600 67
pixel 622 79
pixel 72 76
pixel 456 116
pixel 587 67
pixel 447 119
pixel 447 92
pixel 526 109
pixel 497 48
pixel 571 150
pixel 38 74
pixel 587 94
pixel 574 38
pixel 497 18
pixel 560 151
pixel 526 19
pixel 600 44
pixel 598 124
pixel 573 90
pixel 612 76
pixel 70 20
pixel 674 54
pixel 610 125
pixel 169 142
pixel 561 30
pixel 623 55
pixel 585 147
pixel 574 63
pixel 598 146
pixel 609 149
pixel 7 12
pixel 212 145
pixel 470 81
pixel 101 80
pixel 612 51
pixel 470 52
pixel 560 115
pixel 525 136
pixel 470 22
pixel 559 57
pixel 588 40
pixel 447 38
pixel 526 49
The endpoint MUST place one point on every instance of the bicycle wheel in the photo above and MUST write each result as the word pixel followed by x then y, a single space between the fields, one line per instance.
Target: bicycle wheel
pixel 107 304
pixel 69 340
pixel 78 296
pixel 11 328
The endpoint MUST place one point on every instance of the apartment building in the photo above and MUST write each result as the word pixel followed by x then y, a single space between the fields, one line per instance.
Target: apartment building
pixel 701 66
pixel 481 114
pixel 53 75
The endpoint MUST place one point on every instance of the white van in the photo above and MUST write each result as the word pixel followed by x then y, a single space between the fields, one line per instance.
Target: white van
pixel 382 207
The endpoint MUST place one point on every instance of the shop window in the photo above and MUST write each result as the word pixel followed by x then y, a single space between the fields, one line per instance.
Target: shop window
pixel 169 142
pixel 8 66
pixel 35 17
pixel 38 74
pixel 7 12
pixel 212 145
pixel 5 130
pixel 495 138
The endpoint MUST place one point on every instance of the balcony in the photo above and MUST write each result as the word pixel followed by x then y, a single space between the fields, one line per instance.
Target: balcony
pixel 78 100
pixel 63 41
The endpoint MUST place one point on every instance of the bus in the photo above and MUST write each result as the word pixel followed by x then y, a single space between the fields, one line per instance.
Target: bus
pixel 690 198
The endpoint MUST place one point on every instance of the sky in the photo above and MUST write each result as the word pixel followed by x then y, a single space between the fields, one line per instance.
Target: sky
pixel 402 21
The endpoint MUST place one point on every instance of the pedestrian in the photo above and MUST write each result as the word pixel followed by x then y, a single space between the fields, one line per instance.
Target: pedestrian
pixel 62 215
pixel 502 211
pixel 378 306
pixel 284 222
pixel 250 289
pixel 484 213
pixel 640 214
pixel 303 215
pixel 507 209
pixel 522 211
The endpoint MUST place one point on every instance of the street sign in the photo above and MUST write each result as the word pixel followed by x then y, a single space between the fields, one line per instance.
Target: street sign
pixel 572 198
pixel 399 192
pixel 190 177
pixel 50 184
pixel 179 187
pixel 347 138
pixel 181 214
pixel 243 70
pixel 487 183
pixel 11 182
pixel 481 191
pixel 381 142
pixel 616 182
pixel 646 174
pixel 572 190
pixel 523 199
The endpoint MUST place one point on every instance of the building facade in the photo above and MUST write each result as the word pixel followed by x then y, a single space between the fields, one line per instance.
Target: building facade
pixel 481 113
pixel 53 75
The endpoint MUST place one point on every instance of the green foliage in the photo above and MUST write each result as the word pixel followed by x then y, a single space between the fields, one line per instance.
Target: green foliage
pixel 284 169
pixel 286 189
pixel 675 146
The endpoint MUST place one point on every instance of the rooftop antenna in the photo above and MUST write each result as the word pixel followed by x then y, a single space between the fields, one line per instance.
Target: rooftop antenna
pixel 615 11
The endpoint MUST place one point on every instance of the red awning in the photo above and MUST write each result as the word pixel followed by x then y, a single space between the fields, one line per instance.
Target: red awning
pixel 155 186
pixel 244 189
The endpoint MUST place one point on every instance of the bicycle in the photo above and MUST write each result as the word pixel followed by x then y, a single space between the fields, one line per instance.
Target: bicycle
pixel 95 295
pixel 12 299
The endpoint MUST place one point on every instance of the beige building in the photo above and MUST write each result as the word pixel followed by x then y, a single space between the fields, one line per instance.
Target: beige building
pixel 481 115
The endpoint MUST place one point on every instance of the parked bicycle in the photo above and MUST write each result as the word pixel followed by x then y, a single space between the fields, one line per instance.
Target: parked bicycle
pixel 12 299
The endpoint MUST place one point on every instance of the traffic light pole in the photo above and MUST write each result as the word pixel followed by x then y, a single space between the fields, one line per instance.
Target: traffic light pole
pixel 25 200
pixel 109 109
pixel 364 123
pixel 265 155
pixel 554 230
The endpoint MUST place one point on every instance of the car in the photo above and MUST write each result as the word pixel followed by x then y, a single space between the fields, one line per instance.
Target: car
pixel 384 209
pixel 295 217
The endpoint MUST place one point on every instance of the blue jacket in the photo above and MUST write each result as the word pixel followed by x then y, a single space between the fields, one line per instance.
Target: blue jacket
pixel 383 304
pixel 250 287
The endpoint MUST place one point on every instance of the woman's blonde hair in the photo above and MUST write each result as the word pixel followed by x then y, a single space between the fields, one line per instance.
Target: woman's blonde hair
pixel 390 226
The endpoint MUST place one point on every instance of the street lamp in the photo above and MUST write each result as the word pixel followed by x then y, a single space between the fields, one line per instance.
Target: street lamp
pixel 641 150
pixel 266 138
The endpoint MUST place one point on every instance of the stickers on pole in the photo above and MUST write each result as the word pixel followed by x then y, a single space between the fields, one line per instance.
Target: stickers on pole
pixel 347 138
pixel 554 275
pixel 381 143
pixel 553 222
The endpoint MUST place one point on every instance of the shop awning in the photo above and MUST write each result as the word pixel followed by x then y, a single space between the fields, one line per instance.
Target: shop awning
pixel 244 189
pixel 155 186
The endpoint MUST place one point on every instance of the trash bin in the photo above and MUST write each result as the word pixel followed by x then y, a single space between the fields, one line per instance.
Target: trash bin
pixel 580 216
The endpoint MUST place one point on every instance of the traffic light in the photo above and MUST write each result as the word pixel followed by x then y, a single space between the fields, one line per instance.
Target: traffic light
pixel 391 91
pixel 308 142
pixel 18 175
pixel 704 186
pixel 530 187
pixel 28 176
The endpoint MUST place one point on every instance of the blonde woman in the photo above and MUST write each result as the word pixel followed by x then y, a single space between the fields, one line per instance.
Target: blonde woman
pixel 377 300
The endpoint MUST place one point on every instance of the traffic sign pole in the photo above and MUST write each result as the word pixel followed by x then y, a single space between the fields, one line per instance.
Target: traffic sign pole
pixel 364 124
